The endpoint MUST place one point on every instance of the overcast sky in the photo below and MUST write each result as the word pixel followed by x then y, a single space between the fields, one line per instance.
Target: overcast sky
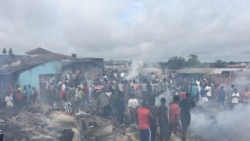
pixel 127 29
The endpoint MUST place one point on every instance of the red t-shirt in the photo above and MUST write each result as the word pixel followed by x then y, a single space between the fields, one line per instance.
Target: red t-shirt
pixel 174 111
pixel 182 95
pixel 19 96
pixel 143 118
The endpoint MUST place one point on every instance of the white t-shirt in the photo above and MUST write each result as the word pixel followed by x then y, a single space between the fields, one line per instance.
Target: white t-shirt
pixel 120 87
pixel 133 103
pixel 8 100
pixel 63 87
pixel 209 91
pixel 235 98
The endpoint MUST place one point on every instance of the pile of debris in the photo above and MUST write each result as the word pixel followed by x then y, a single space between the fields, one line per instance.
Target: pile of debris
pixel 40 122
pixel 35 123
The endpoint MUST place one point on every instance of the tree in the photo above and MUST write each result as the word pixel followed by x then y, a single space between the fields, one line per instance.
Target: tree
pixel 232 63
pixel 163 66
pixel 193 61
pixel 219 64
pixel 176 63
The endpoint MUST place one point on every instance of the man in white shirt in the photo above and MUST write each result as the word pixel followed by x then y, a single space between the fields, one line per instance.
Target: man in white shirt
pixel 208 89
pixel 9 101
pixel 133 105
pixel 235 97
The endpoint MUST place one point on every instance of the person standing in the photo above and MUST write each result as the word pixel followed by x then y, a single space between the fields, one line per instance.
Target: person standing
pixel 204 95
pixel 78 99
pixel 230 91
pixel 33 95
pixel 194 92
pixel 29 92
pixel 143 116
pixel 222 95
pixel 19 98
pixel 120 88
pixel 119 106
pixel 25 94
pixel 245 96
pixel 103 102
pixel 9 100
pixel 162 115
pixel 208 89
pixel 133 106
pixel 51 94
pixel 153 122
pixel 185 106
pixel 132 92
pixel 174 115
pixel 86 93
pixel 235 97
pixel 144 90
pixel 67 104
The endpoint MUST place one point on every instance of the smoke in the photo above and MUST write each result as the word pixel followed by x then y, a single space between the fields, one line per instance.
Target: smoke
pixel 242 80
pixel 134 69
pixel 214 123
pixel 227 125
pixel 167 95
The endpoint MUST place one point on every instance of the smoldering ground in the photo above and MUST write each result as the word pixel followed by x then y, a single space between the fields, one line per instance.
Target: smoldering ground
pixel 213 124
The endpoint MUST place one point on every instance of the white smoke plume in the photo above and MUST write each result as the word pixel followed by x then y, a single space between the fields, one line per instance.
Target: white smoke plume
pixel 227 125
pixel 167 95
pixel 134 69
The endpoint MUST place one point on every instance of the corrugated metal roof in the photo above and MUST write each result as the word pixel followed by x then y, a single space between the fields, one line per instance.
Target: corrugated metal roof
pixel 195 70
pixel 27 62
pixel 207 70
pixel 20 67
pixel 220 70
pixel 39 51
pixel 6 59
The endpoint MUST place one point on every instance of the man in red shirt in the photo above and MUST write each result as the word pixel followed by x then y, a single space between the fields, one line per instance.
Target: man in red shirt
pixel 19 98
pixel 174 115
pixel 144 115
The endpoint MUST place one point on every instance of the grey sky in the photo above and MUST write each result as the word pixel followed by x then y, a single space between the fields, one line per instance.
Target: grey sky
pixel 127 29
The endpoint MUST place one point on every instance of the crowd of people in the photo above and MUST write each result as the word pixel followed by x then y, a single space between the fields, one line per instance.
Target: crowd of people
pixel 133 101
pixel 20 96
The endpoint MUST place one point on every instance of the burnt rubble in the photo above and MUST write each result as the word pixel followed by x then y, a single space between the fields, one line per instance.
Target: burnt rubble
pixel 40 122
pixel 35 123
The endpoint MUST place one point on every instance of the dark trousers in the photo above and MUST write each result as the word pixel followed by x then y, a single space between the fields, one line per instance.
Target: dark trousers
pixel 144 96
pixel 145 135
pixel 163 131
pixel 153 129
pixel 120 117
pixel 106 111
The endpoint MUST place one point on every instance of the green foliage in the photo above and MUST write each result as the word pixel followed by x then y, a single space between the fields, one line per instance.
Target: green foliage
pixel 232 63
pixel 193 61
pixel 219 64
pixel 176 63
pixel 163 65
